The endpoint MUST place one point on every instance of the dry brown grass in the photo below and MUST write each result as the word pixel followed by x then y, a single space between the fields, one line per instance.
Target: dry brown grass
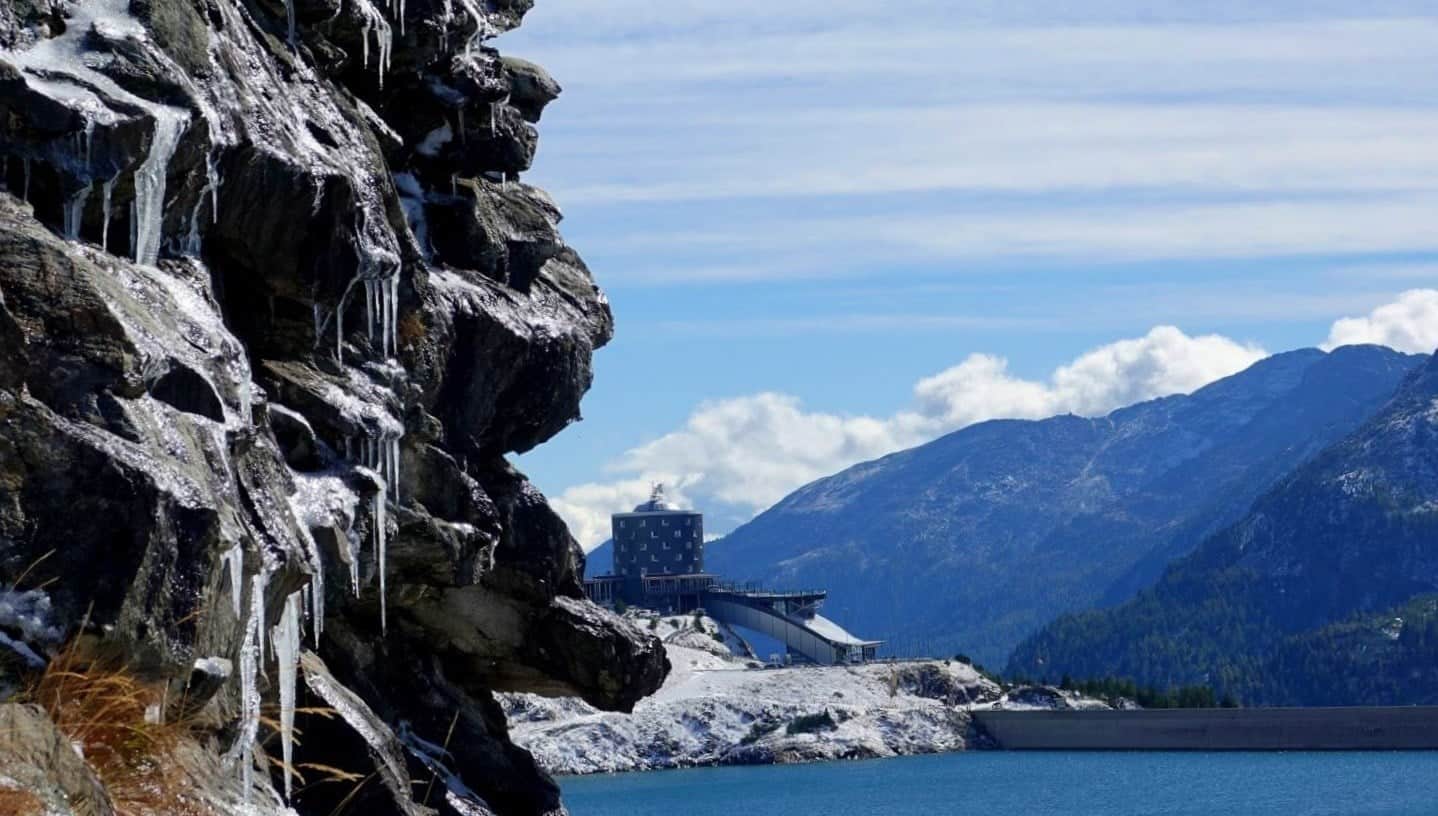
pixel 19 803
pixel 410 329
pixel 102 707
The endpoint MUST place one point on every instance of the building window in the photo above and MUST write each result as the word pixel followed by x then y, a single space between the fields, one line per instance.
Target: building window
pixel 664 522
pixel 641 522
pixel 666 545
pixel 643 546
pixel 621 524
pixel 688 545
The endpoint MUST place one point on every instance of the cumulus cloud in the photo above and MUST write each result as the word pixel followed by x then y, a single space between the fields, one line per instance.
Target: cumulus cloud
pixel 745 453
pixel 1408 324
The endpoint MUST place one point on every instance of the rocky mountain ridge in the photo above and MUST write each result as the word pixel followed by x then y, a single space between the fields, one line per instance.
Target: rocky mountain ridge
pixel 274 306
pixel 1321 594
pixel 971 542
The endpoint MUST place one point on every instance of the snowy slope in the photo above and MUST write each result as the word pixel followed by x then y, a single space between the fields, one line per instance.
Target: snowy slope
pixel 719 709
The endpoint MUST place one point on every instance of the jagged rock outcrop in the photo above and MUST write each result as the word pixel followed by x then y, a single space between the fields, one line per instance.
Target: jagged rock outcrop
pixel 274 307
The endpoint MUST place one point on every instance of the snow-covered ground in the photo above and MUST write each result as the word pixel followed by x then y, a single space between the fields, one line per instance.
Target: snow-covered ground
pixel 718 708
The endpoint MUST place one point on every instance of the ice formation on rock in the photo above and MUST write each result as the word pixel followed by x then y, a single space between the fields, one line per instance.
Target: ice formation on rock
pixel 75 212
pixel 147 211
pixel 234 561
pixel 286 639
pixel 106 189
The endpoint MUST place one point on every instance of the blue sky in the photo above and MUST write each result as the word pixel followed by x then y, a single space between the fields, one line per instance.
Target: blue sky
pixel 834 228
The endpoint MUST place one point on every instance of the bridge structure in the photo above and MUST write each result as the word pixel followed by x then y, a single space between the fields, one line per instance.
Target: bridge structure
pixel 792 618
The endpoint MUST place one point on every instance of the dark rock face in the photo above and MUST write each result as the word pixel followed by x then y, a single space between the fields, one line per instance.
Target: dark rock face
pixel 975 540
pixel 274 307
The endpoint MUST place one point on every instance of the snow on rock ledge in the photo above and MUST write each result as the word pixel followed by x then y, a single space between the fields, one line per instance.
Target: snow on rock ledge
pixel 715 708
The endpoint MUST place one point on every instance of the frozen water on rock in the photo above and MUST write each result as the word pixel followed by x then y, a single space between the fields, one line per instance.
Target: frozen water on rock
pixel 380 531
pixel 148 209
pixel 106 189
pixel 234 562
pixel 56 68
pixel 29 613
pixel 412 199
pixel 75 212
pixel 383 35
pixel 252 650
pixel 214 666
pixel 290 16
pixel 433 142
pixel 286 637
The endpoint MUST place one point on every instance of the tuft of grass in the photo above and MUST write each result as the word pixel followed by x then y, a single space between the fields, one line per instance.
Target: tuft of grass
pixel 20 803
pixel 116 720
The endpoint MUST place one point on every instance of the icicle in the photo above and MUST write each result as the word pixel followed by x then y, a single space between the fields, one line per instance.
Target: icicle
pixel 354 543
pixel 234 561
pixel 25 190
pixel 212 176
pixel 384 305
pixel 251 656
pixel 394 313
pixel 493 107
pixel 286 637
pixel 290 14
pixel 192 238
pixel 379 547
pixel 340 330
pixel 317 603
pixel 369 296
pixel 89 138
pixel 394 468
pixel 460 117
pixel 75 213
pixel 257 604
pixel 105 189
pixel 149 205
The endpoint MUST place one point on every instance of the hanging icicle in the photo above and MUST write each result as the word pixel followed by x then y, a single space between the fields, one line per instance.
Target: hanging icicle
pixel 251 657
pixel 106 189
pixel 147 211
pixel 286 637
pixel 234 562
pixel 75 212
pixel 380 531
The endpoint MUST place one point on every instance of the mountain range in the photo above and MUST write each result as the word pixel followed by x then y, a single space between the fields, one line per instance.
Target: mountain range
pixel 974 541
pixel 1323 593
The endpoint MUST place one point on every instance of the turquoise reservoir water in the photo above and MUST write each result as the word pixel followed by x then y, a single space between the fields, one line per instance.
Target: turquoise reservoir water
pixel 1032 784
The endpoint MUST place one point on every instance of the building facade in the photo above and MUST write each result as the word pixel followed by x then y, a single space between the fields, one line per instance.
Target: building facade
pixel 657 539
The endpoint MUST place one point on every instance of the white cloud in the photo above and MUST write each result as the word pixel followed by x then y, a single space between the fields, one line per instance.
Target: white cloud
pixel 1408 324
pixel 748 452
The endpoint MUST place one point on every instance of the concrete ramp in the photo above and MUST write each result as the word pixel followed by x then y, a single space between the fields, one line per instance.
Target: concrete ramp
pixel 791 618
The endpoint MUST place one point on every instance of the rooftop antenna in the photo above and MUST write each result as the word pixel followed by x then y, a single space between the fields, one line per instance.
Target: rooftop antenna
pixel 656 494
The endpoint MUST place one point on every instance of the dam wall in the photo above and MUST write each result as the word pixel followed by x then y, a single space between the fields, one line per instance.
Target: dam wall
pixel 1216 729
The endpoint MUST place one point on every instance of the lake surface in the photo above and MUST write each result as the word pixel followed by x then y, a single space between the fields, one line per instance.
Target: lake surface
pixel 1032 784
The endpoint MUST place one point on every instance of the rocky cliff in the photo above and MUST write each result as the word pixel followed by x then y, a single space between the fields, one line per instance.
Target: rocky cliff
pixel 274 307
